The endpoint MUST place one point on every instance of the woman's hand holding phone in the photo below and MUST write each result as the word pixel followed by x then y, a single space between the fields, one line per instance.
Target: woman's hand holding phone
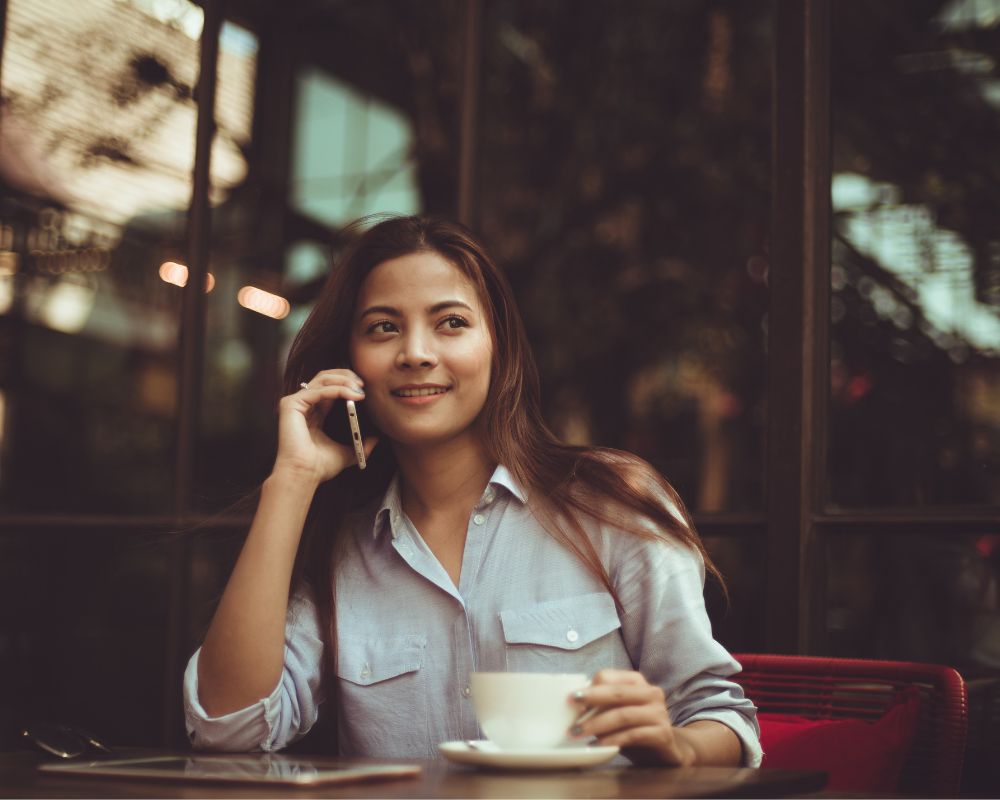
pixel 241 659
pixel 303 447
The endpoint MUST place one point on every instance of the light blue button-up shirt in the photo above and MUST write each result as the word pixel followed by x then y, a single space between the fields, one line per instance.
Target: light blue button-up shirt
pixel 408 638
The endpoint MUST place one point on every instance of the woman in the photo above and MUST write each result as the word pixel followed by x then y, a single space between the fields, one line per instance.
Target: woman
pixel 474 540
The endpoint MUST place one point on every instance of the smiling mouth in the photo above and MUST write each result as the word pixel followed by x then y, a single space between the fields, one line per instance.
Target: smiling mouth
pixel 422 392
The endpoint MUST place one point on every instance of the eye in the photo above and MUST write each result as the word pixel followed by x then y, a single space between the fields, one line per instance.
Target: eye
pixel 381 326
pixel 454 321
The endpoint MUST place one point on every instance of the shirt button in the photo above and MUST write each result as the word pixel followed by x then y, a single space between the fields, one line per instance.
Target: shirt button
pixel 365 672
pixel 479 519
pixel 466 691
pixel 488 495
pixel 572 635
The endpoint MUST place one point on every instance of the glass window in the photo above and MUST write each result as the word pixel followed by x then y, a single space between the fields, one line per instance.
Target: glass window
pixel 915 597
pixel 624 184
pixel 915 275
pixel 83 631
pixel 369 133
pixel 98 147
pixel 353 154
pixel 737 622
pixel 376 109
pixel 229 445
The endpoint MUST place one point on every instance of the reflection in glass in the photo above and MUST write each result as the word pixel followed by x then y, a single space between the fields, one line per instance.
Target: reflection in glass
pixel 625 185
pixel 236 75
pixel 915 597
pixel 244 280
pixel 915 275
pixel 739 622
pixel 85 619
pixel 372 120
pixel 98 146
pixel 353 154
pixel 244 767
pixel 98 102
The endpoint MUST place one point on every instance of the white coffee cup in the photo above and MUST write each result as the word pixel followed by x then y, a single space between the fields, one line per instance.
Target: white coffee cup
pixel 526 710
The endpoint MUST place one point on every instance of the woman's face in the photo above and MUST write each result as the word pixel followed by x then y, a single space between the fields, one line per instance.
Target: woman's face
pixel 421 342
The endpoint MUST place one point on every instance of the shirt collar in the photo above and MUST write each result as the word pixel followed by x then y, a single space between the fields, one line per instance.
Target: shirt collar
pixel 390 512
pixel 502 477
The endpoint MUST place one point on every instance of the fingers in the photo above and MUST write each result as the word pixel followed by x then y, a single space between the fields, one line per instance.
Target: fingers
pixel 615 687
pixel 607 722
pixel 624 705
pixel 613 676
pixel 619 700
pixel 315 397
pixel 336 377
pixel 330 391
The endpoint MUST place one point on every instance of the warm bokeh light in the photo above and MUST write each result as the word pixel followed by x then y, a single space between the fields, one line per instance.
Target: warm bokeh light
pixel 6 292
pixel 177 274
pixel 174 273
pixel 270 305
pixel 8 262
pixel 67 306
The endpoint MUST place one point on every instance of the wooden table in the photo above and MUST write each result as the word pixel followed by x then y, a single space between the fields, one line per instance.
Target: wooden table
pixel 19 778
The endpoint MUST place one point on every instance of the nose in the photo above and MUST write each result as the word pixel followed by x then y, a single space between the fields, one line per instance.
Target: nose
pixel 415 352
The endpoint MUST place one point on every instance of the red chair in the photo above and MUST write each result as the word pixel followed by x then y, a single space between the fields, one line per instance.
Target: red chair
pixel 808 688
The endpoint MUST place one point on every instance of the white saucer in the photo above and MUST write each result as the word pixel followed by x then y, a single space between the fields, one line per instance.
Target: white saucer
pixel 487 754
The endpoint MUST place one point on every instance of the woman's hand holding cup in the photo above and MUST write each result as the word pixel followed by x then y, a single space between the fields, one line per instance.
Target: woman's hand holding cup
pixel 622 708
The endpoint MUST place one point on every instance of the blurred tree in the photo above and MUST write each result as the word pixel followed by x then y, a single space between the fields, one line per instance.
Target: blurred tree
pixel 916 267
pixel 625 179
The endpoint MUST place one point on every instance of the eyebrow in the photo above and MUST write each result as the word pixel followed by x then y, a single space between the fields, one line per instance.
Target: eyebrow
pixel 389 311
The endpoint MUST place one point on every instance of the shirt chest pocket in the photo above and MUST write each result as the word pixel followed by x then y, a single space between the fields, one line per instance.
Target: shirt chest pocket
pixel 381 682
pixel 368 661
pixel 571 634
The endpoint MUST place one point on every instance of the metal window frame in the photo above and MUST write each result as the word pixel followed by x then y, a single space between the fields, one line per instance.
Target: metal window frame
pixel 3 34
pixel 798 323
pixel 800 518
pixel 469 113
pixel 191 361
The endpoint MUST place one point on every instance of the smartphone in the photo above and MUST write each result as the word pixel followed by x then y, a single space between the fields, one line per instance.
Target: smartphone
pixel 359 445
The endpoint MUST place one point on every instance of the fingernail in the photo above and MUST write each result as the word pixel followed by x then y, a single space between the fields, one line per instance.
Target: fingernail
pixel 579 694
pixel 576 730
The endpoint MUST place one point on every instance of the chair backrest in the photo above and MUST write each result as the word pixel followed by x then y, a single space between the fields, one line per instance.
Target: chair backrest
pixel 840 688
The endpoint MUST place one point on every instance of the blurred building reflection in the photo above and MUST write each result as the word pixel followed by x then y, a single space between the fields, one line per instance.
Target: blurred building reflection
pixel 98 133
pixel 915 315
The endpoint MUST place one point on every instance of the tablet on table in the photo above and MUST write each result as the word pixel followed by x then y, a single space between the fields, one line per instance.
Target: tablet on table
pixel 263 768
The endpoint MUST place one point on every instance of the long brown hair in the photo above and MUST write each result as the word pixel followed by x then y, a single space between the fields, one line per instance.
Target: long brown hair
pixel 565 483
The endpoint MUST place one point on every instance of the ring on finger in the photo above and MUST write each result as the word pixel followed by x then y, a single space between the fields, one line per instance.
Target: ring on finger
pixel 304 385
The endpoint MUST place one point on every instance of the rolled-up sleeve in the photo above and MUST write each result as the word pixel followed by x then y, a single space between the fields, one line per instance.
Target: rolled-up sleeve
pixel 279 719
pixel 669 637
